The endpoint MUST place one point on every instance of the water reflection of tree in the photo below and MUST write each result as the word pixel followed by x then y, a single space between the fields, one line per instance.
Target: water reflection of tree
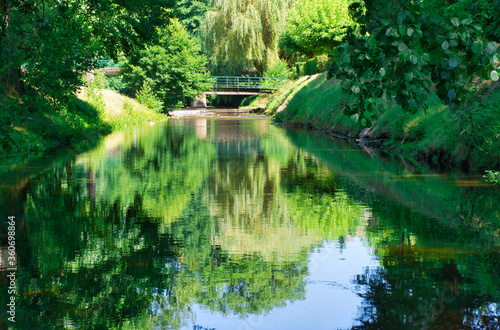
pixel 95 253
pixel 439 221
pixel 432 275
pixel 225 282
pixel 126 238
pixel 395 300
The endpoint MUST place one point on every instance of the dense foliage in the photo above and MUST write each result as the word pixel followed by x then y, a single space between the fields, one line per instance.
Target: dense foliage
pixel 242 36
pixel 405 52
pixel 46 45
pixel 191 13
pixel 316 27
pixel 484 13
pixel 279 70
pixel 173 67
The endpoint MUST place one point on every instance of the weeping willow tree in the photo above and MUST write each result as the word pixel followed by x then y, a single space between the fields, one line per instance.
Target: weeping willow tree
pixel 241 36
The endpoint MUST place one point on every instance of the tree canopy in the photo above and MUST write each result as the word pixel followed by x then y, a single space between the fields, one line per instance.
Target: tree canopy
pixel 45 44
pixel 173 67
pixel 404 52
pixel 191 13
pixel 316 26
pixel 242 36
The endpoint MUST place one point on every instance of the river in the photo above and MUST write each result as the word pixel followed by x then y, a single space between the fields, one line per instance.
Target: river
pixel 234 223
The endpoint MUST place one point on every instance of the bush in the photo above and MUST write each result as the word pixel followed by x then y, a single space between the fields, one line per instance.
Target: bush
pixel 116 83
pixel 311 67
pixel 492 176
pixel 95 86
pixel 299 68
pixel 279 69
pixel 174 67
pixel 147 97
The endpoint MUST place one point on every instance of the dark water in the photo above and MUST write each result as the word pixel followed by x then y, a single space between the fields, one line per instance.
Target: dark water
pixel 238 224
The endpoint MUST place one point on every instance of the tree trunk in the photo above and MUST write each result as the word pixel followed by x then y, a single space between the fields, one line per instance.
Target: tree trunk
pixel 11 83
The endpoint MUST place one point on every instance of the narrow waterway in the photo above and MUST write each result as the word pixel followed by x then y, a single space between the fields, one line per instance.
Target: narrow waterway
pixel 234 223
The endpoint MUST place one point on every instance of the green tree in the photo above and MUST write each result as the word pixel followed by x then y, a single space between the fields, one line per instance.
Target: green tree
pixel 173 67
pixel 45 45
pixel 404 52
pixel 316 26
pixel 242 36
pixel 484 13
pixel 191 13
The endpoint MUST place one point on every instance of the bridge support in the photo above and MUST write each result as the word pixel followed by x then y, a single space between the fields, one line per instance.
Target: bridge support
pixel 200 102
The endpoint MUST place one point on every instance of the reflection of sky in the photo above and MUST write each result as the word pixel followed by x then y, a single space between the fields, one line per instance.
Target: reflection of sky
pixel 331 301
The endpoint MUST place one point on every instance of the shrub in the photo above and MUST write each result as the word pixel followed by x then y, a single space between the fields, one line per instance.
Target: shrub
pixel 147 97
pixel 279 69
pixel 94 89
pixel 492 176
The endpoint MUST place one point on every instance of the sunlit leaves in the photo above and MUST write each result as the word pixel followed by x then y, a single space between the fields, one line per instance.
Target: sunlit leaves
pixel 46 45
pixel 409 50
pixel 316 26
pixel 494 75
pixel 173 68
pixel 491 48
pixel 242 36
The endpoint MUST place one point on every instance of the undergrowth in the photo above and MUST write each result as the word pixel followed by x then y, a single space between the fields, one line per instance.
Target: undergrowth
pixel 130 113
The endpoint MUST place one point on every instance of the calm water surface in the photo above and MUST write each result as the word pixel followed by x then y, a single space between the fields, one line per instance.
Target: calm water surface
pixel 238 224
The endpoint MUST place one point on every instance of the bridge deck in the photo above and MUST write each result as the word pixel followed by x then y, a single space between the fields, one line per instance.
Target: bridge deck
pixel 240 92
pixel 225 85
pixel 241 85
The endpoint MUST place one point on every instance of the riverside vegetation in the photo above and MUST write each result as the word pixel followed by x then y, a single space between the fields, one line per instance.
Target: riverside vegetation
pixel 415 77
pixel 407 79
pixel 44 48
pixel 437 134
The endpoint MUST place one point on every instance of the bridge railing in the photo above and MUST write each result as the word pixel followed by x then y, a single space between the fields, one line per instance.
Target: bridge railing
pixel 247 83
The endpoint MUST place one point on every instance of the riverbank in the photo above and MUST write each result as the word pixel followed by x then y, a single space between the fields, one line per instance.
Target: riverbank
pixel 466 139
pixel 79 126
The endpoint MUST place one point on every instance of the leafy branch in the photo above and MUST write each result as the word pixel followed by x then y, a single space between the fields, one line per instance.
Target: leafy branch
pixel 403 52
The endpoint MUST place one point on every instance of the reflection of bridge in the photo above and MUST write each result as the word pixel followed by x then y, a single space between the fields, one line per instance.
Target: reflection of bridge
pixel 224 85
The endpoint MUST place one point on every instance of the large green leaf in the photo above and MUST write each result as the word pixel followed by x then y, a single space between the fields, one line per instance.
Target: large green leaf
pixel 494 75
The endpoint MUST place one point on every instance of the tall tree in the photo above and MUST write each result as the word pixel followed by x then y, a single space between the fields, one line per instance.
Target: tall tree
pixel 191 13
pixel 242 35
pixel 173 67
pixel 44 43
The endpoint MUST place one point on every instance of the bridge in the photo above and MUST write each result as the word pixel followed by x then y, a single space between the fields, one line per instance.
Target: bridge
pixel 225 85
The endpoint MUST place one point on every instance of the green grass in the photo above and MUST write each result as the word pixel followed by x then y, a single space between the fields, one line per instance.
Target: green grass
pixel 132 115
pixel 79 125
pixel 467 138
pixel 285 94
pixel 254 102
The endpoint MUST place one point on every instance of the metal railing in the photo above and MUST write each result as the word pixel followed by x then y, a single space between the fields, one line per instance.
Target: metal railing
pixel 226 83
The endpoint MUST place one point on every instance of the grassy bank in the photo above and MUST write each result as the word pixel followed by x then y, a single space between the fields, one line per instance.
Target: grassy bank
pixel 79 125
pixel 467 138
